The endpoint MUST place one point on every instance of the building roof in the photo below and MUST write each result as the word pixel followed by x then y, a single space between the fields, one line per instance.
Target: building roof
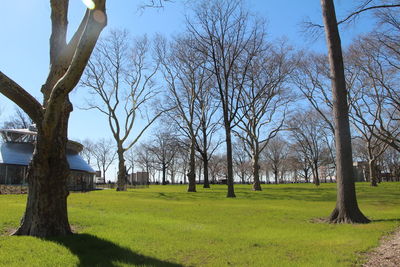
pixel 21 154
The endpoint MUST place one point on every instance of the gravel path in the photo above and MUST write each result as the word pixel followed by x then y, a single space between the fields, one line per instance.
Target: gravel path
pixel 387 254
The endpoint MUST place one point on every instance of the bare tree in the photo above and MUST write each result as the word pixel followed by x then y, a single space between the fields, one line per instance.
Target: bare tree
pixel 104 154
pixel 276 153
pixel 184 71
pixel 346 210
pixel 264 102
pixel 241 160
pixel 229 40
pixel 308 132
pixel 122 82
pixel 46 210
pixel 87 151
pixel 18 121
pixel 206 114
pixel 164 149
pixel 144 158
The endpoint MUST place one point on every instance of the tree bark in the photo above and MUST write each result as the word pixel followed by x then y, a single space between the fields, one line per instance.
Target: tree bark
pixel 316 174
pixel 164 173
pixel 121 180
pixel 372 172
pixel 231 190
pixel 46 210
pixel 205 171
pixel 256 173
pixel 192 167
pixel 346 210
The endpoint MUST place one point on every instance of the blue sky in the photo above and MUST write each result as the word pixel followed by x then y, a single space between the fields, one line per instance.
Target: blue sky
pixel 25 30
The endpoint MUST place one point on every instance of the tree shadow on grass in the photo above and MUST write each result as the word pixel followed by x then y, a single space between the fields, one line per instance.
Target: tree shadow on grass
pixel 95 251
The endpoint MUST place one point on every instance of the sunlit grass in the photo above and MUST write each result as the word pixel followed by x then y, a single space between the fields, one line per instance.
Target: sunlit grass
pixel 164 225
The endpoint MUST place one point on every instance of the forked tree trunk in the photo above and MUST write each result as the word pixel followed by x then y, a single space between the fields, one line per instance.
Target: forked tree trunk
pixel 231 190
pixel 46 210
pixel 122 179
pixel 346 210
pixel 192 167
pixel 256 173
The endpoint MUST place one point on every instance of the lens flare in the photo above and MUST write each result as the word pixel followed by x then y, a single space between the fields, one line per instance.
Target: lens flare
pixel 89 3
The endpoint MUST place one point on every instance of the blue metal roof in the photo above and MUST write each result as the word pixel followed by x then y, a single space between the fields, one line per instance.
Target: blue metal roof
pixel 21 154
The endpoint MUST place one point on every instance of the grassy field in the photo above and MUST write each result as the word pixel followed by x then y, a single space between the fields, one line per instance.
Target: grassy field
pixel 165 226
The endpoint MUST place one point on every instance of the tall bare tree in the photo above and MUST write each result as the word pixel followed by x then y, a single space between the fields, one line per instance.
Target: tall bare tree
pixel 183 68
pixel 264 102
pixel 121 79
pixel 346 210
pixel 230 40
pixel 46 210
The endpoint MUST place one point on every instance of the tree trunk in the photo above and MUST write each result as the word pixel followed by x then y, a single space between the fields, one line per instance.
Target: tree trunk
pixel 46 210
pixel 205 156
pixel 276 176
pixel 256 173
pixel 121 180
pixel 231 190
pixel 346 210
pixel 192 167
pixel 205 171
pixel 164 173
pixel 316 174
pixel 372 172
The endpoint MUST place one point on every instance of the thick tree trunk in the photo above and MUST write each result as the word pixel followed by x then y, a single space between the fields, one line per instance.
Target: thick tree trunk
pixel 276 176
pixel 192 168
pixel 231 190
pixel 346 210
pixel 121 180
pixel 46 210
pixel 256 173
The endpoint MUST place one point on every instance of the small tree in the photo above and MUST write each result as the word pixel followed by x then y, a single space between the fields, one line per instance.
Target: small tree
pixel 104 154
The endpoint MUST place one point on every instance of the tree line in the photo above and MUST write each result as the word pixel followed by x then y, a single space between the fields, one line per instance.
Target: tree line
pixel 223 71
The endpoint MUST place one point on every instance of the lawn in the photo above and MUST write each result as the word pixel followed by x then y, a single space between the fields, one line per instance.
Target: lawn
pixel 165 226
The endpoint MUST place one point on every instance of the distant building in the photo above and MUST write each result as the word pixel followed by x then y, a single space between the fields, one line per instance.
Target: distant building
pixel 16 153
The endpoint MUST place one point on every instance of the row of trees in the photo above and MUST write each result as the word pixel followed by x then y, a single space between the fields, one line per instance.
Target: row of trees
pixel 231 61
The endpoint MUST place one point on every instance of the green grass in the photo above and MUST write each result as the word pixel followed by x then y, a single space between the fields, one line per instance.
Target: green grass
pixel 165 226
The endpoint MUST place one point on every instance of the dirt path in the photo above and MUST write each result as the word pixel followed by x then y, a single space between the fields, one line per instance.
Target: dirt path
pixel 387 254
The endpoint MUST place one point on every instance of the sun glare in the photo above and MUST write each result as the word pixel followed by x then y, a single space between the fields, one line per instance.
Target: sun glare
pixel 89 3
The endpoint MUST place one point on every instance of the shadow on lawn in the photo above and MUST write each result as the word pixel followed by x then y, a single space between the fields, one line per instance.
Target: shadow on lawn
pixel 94 251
